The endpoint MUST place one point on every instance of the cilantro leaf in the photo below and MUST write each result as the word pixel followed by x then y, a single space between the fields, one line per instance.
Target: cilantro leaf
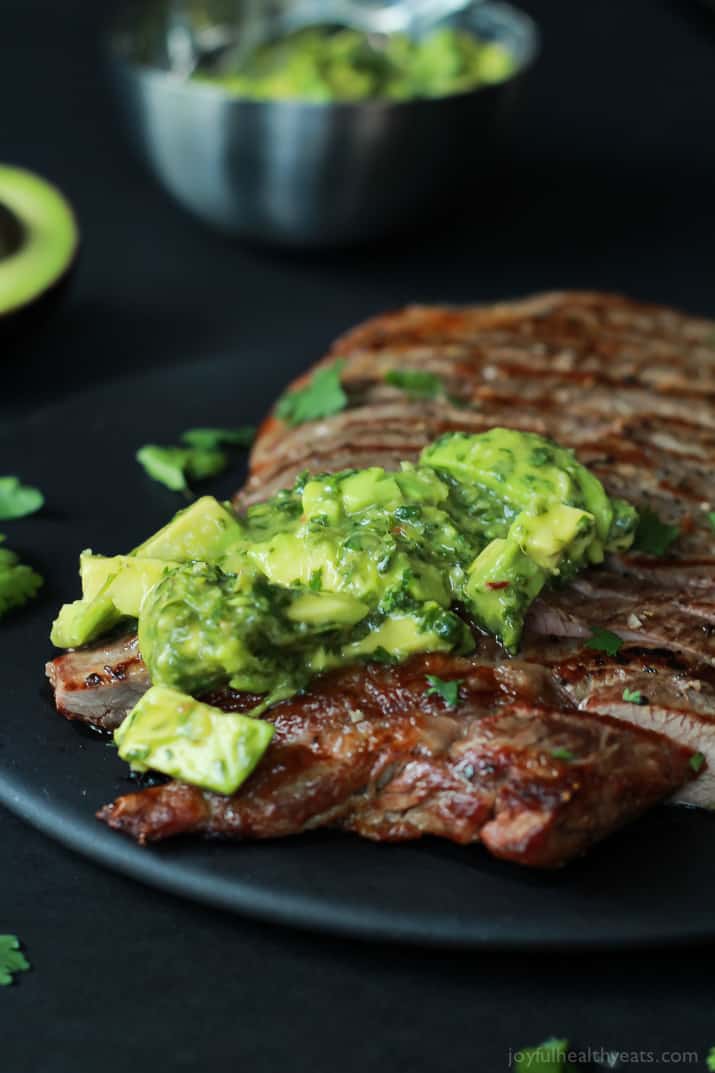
pixel 549 1057
pixel 322 396
pixel 562 754
pixel 696 762
pixel 211 438
pixel 17 500
pixel 171 466
pixel 633 696
pixel 18 582
pixel 447 690
pixel 12 959
pixel 711 519
pixel 415 382
pixel 653 537
pixel 605 641
pixel 711 1059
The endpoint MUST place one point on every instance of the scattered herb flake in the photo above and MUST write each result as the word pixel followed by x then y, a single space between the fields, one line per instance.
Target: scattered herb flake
pixel 562 754
pixel 605 641
pixel 711 518
pixel 18 500
pixel 414 382
pixel 316 580
pixel 447 690
pixel 633 696
pixel 211 438
pixel 549 1057
pixel 12 959
pixel 696 761
pixel 18 582
pixel 653 537
pixel 322 396
pixel 711 1059
pixel 171 466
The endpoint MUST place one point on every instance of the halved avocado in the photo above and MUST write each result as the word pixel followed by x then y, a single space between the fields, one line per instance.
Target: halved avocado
pixel 38 241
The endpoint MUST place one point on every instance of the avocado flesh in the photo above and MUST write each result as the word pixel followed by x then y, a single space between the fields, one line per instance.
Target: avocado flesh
pixel 38 238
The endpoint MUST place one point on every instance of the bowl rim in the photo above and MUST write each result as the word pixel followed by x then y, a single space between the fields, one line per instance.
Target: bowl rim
pixel 180 83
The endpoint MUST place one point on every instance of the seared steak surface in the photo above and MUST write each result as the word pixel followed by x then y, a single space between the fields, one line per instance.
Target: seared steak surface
pixel 366 750
pixel 630 387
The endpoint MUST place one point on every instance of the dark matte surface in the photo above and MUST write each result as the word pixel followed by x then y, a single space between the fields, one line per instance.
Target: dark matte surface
pixel 614 188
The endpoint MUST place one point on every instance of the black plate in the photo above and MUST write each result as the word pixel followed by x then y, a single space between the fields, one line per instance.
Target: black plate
pixel 649 884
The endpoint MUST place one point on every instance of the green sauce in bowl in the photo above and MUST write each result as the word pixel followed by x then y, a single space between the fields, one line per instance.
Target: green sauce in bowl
pixel 321 64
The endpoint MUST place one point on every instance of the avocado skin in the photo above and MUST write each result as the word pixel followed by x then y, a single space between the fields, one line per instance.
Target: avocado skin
pixel 55 214
pixel 31 317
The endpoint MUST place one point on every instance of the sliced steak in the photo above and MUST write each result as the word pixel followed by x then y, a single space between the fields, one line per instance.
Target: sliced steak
pixel 368 751
pixel 99 684
pixel 631 388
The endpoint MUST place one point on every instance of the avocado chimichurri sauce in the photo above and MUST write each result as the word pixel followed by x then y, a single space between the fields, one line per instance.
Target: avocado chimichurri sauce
pixel 364 564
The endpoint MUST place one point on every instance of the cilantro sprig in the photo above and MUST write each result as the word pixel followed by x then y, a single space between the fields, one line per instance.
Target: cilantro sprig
pixel 653 536
pixel 173 466
pixel 417 383
pixel 696 762
pixel 200 458
pixel 322 396
pixel 447 690
pixel 563 754
pixel 551 1056
pixel 12 959
pixel 605 641
pixel 18 500
pixel 211 438
pixel 18 582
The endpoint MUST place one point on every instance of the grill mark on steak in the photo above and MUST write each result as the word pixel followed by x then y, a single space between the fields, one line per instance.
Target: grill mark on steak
pixel 365 750
pixel 629 387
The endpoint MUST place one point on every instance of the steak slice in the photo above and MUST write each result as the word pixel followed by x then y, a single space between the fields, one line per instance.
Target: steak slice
pixel 99 684
pixel 366 750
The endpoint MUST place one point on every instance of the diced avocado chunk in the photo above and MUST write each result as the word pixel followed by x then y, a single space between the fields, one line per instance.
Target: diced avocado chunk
pixel 547 537
pixel 400 636
pixel 502 582
pixel 326 609
pixel 130 578
pixel 369 488
pixel 82 621
pixel 204 531
pixel 169 731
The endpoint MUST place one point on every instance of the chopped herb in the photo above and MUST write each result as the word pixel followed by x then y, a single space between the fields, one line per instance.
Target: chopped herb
pixel 211 438
pixel 18 500
pixel 696 761
pixel 381 655
pixel 562 754
pixel 549 1057
pixel 633 696
pixel 418 384
pixel 711 1059
pixel 605 641
pixel 322 396
pixel 653 537
pixel 447 690
pixel 711 518
pixel 171 466
pixel 316 580
pixel 18 582
pixel 12 959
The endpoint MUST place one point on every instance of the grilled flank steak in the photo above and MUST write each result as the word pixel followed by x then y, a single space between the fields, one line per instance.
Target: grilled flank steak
pixel 630 387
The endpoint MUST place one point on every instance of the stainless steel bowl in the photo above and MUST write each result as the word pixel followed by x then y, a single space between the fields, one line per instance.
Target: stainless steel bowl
pixel 302 173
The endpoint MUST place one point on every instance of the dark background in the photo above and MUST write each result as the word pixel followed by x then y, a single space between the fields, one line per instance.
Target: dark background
pixel 612 186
